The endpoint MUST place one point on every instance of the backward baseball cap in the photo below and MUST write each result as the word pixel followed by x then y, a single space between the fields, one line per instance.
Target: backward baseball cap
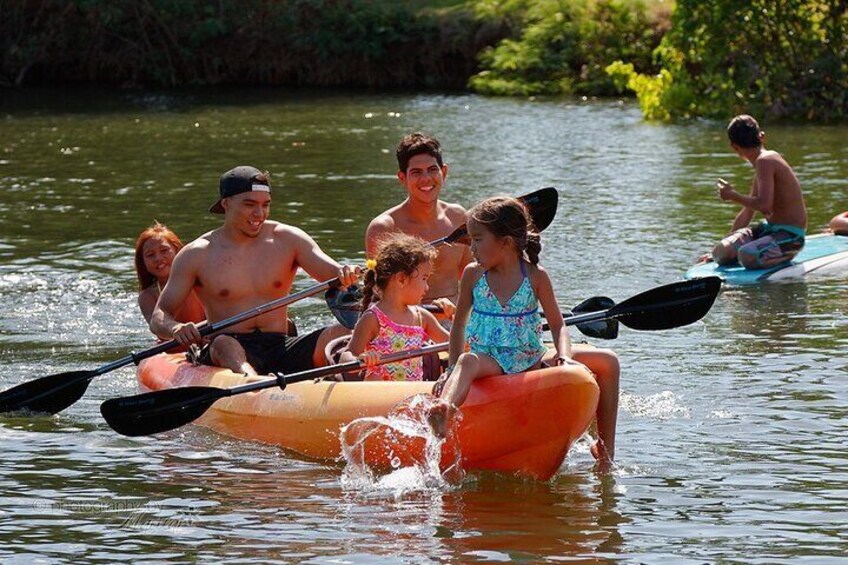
pixel 238 180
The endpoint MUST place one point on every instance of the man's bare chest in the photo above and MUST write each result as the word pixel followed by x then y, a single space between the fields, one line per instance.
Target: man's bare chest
pixel 234 275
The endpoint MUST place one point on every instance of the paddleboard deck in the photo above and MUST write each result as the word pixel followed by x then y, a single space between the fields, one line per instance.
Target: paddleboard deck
pixel 823 254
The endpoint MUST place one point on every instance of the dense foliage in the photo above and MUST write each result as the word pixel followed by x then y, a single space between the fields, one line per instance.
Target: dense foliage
pixel 775 58
pixel 564 46
pixel 375 43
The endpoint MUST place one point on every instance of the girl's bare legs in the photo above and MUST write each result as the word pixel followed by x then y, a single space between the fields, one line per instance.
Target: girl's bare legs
pixel 469 367
pixel 604 364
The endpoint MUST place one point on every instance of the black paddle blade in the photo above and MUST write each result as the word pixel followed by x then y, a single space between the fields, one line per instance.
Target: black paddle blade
pixel 670 306
pixel 49 394
pixel 459 235
pixel 601 329
pixel 159 411
pixel 344 304
pixel 542 206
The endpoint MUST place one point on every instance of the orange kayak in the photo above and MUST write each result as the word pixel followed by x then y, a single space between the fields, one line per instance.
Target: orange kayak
pixel 522 424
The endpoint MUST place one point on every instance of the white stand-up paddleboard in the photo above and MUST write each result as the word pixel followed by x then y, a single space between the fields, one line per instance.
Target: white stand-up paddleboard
pixel 823 254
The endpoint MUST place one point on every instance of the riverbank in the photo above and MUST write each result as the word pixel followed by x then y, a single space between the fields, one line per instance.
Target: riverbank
pixel 375 44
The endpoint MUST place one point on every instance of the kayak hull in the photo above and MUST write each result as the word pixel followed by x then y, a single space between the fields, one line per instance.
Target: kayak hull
pixel 522 424
pixel 822 255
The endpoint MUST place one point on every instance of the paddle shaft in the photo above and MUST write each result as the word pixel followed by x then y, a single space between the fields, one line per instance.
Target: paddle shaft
pixel 334 369
pixel 568 320
pixel 163 410
pixel 223 324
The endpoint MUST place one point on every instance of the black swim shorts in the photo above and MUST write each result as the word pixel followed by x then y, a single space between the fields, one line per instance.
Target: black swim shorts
pixel 272 352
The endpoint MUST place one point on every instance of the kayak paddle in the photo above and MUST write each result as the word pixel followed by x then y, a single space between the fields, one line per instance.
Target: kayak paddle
pixel 54 393
pixel 664 307
pixel 541 205
pixel 162 410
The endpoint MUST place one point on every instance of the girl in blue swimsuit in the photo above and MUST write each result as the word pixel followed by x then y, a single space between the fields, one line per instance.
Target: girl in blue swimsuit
pixel 497 313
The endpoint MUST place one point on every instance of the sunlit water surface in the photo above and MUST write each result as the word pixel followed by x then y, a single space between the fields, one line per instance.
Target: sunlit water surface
pixel 732 432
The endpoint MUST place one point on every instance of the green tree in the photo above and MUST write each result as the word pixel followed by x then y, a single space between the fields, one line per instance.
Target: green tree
pixel 776 58
pixel 563 46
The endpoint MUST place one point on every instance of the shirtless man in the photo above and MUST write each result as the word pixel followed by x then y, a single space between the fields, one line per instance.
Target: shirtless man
pixel 247 262
pixel 422 172
pixel 775 193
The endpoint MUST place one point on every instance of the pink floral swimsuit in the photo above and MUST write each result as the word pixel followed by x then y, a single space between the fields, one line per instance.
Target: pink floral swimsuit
pixel 394 337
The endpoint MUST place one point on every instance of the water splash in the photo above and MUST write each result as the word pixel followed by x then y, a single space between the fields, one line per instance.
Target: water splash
pixel 661 406
pixel 399 453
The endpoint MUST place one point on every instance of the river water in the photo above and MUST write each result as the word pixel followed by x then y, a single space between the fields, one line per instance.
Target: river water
pixel 733 432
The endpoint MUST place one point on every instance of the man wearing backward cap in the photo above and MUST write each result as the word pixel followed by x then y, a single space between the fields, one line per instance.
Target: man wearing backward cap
pixel 247 262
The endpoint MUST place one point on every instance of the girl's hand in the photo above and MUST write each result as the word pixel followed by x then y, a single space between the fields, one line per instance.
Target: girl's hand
pixel 565 360
pixel 369 358
pixel 440 384
pixel 448 307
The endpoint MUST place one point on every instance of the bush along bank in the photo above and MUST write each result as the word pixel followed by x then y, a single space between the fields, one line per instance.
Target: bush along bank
pixel 564 46
pixel 777 60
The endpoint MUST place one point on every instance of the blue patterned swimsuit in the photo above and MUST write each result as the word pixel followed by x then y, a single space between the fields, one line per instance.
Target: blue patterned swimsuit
pixel 510 334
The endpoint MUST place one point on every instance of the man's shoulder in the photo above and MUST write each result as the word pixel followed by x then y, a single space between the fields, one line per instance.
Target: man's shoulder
pixel 201 243
pixel 285 234
pixel 454 212
pixel 385 220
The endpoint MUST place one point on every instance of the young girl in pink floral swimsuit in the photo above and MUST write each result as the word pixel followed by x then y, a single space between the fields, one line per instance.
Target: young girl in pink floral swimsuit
pixel 397 322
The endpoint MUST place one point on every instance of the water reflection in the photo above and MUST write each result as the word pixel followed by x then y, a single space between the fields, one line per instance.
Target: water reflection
pixel 766 319
pixel 575 515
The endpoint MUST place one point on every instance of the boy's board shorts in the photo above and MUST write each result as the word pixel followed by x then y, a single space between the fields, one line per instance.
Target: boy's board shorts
pixel 273 352
pixel 765 245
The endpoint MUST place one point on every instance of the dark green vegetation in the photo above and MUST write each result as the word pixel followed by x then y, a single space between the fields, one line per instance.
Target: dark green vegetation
pixel 524 47
pixel 773 58
pixel 564 46
pixel 372 43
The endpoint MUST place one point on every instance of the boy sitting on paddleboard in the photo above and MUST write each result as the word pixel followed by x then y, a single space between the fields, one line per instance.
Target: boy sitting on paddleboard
pixel 775 193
